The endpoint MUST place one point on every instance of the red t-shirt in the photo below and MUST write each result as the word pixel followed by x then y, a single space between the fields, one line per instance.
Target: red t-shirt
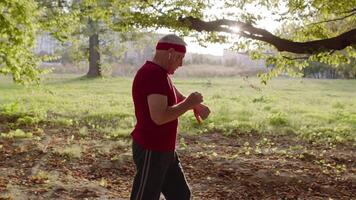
pixel 153 79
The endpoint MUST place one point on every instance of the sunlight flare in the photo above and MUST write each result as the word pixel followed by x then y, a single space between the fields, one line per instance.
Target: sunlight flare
pixel 235 29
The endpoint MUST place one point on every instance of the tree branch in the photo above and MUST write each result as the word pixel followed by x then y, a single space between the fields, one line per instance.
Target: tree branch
pixel 333 20
pixel 297 58
pixel 348 11
pixel 248 31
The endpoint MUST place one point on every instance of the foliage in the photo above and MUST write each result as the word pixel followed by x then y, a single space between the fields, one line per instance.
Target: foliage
pixel 300 21
pixel 18 26
pixel 336 134
pixel 28 120
pixel 10 108
pixel 18 133
pixel 277 119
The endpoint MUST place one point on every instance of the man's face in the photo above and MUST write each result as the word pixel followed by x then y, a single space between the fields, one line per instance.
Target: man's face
pixel 175 61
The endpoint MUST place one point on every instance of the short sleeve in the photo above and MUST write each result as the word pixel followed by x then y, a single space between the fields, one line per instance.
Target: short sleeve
pixel 156 83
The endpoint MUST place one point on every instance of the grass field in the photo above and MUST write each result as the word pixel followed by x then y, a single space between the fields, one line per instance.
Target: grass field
pixel 318 110
pixel 69 139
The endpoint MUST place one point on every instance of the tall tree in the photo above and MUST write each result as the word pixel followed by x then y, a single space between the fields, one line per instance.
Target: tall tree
pixel 68 19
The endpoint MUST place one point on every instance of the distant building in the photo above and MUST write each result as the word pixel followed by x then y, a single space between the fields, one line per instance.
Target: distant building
pixel 135 56
pixel 46 44
pixel 196 58
pixel 241 59
pixel 137 52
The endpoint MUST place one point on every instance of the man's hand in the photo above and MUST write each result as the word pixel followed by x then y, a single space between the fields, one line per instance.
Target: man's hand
pixel 194 99
pixel 201 112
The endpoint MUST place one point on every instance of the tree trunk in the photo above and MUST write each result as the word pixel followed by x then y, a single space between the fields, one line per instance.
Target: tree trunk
pixel 94 56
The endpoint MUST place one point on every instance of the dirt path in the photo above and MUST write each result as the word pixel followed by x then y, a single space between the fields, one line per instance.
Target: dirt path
pixel 62 164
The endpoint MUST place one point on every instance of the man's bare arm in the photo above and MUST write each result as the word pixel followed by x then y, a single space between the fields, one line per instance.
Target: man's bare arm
pixel 161 113
pixel 200 110
pixel 180 96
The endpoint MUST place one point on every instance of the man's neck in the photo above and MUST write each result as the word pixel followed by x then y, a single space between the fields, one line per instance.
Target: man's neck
pixel 160 62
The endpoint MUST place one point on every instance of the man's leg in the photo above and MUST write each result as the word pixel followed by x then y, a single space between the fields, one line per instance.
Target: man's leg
pixel 151 169
pixel 175 186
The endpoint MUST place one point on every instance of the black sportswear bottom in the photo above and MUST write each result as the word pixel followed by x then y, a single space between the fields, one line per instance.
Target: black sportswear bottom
pixel 156 173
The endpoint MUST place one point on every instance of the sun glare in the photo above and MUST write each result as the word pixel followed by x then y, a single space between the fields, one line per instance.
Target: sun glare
pixel 236 29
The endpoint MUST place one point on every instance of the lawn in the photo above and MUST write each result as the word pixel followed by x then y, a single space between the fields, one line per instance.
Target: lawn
pixel 317 110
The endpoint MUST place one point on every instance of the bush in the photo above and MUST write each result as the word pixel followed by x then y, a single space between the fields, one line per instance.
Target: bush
pixel 337 134
pixel 27 120
pixel 11 108
pixel 277 119
pixel 18 133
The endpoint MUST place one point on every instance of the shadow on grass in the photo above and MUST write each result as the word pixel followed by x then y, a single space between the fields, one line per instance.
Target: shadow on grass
pixel 69 80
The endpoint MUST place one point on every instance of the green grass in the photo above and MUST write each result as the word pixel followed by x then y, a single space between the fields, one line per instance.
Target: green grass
pixel 317 110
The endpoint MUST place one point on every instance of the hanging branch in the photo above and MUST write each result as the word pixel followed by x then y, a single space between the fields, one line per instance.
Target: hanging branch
pixel 248 31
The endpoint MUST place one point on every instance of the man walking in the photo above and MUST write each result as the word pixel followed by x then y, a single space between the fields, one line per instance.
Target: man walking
pixel 158 104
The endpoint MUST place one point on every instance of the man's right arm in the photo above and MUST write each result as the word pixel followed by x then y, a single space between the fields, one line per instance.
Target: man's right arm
pixel 161 113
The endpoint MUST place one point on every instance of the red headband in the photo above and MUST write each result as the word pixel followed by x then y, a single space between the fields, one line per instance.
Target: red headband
pixel 166 46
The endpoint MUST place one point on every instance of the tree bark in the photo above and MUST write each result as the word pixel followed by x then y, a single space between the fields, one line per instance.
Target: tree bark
pixel 94 56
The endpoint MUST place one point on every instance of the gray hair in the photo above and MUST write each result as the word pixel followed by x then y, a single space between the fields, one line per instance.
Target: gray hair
pixel 173 39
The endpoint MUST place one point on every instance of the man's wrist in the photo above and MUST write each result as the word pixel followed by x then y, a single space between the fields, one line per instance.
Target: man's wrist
pixel 181 98
pixel 197 106
pixel 186 105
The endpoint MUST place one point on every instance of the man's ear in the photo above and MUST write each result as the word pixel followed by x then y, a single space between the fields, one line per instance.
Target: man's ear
pixel 170 52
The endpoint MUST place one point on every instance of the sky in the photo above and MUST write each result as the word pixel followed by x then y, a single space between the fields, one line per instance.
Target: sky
pixel 213 49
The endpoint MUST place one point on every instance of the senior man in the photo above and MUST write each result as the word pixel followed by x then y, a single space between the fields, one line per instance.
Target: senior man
pixel 158 104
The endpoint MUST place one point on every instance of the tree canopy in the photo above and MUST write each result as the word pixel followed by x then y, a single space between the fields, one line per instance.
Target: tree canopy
pixel 309 30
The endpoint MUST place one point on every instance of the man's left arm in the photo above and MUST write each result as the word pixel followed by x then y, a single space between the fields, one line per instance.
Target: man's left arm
pixel 200 111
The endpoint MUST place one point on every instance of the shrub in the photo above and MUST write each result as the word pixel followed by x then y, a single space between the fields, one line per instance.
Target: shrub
pixel 18 133
pixel 337 134
pixel 277 119
pixel 27 120
pixel 11 108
